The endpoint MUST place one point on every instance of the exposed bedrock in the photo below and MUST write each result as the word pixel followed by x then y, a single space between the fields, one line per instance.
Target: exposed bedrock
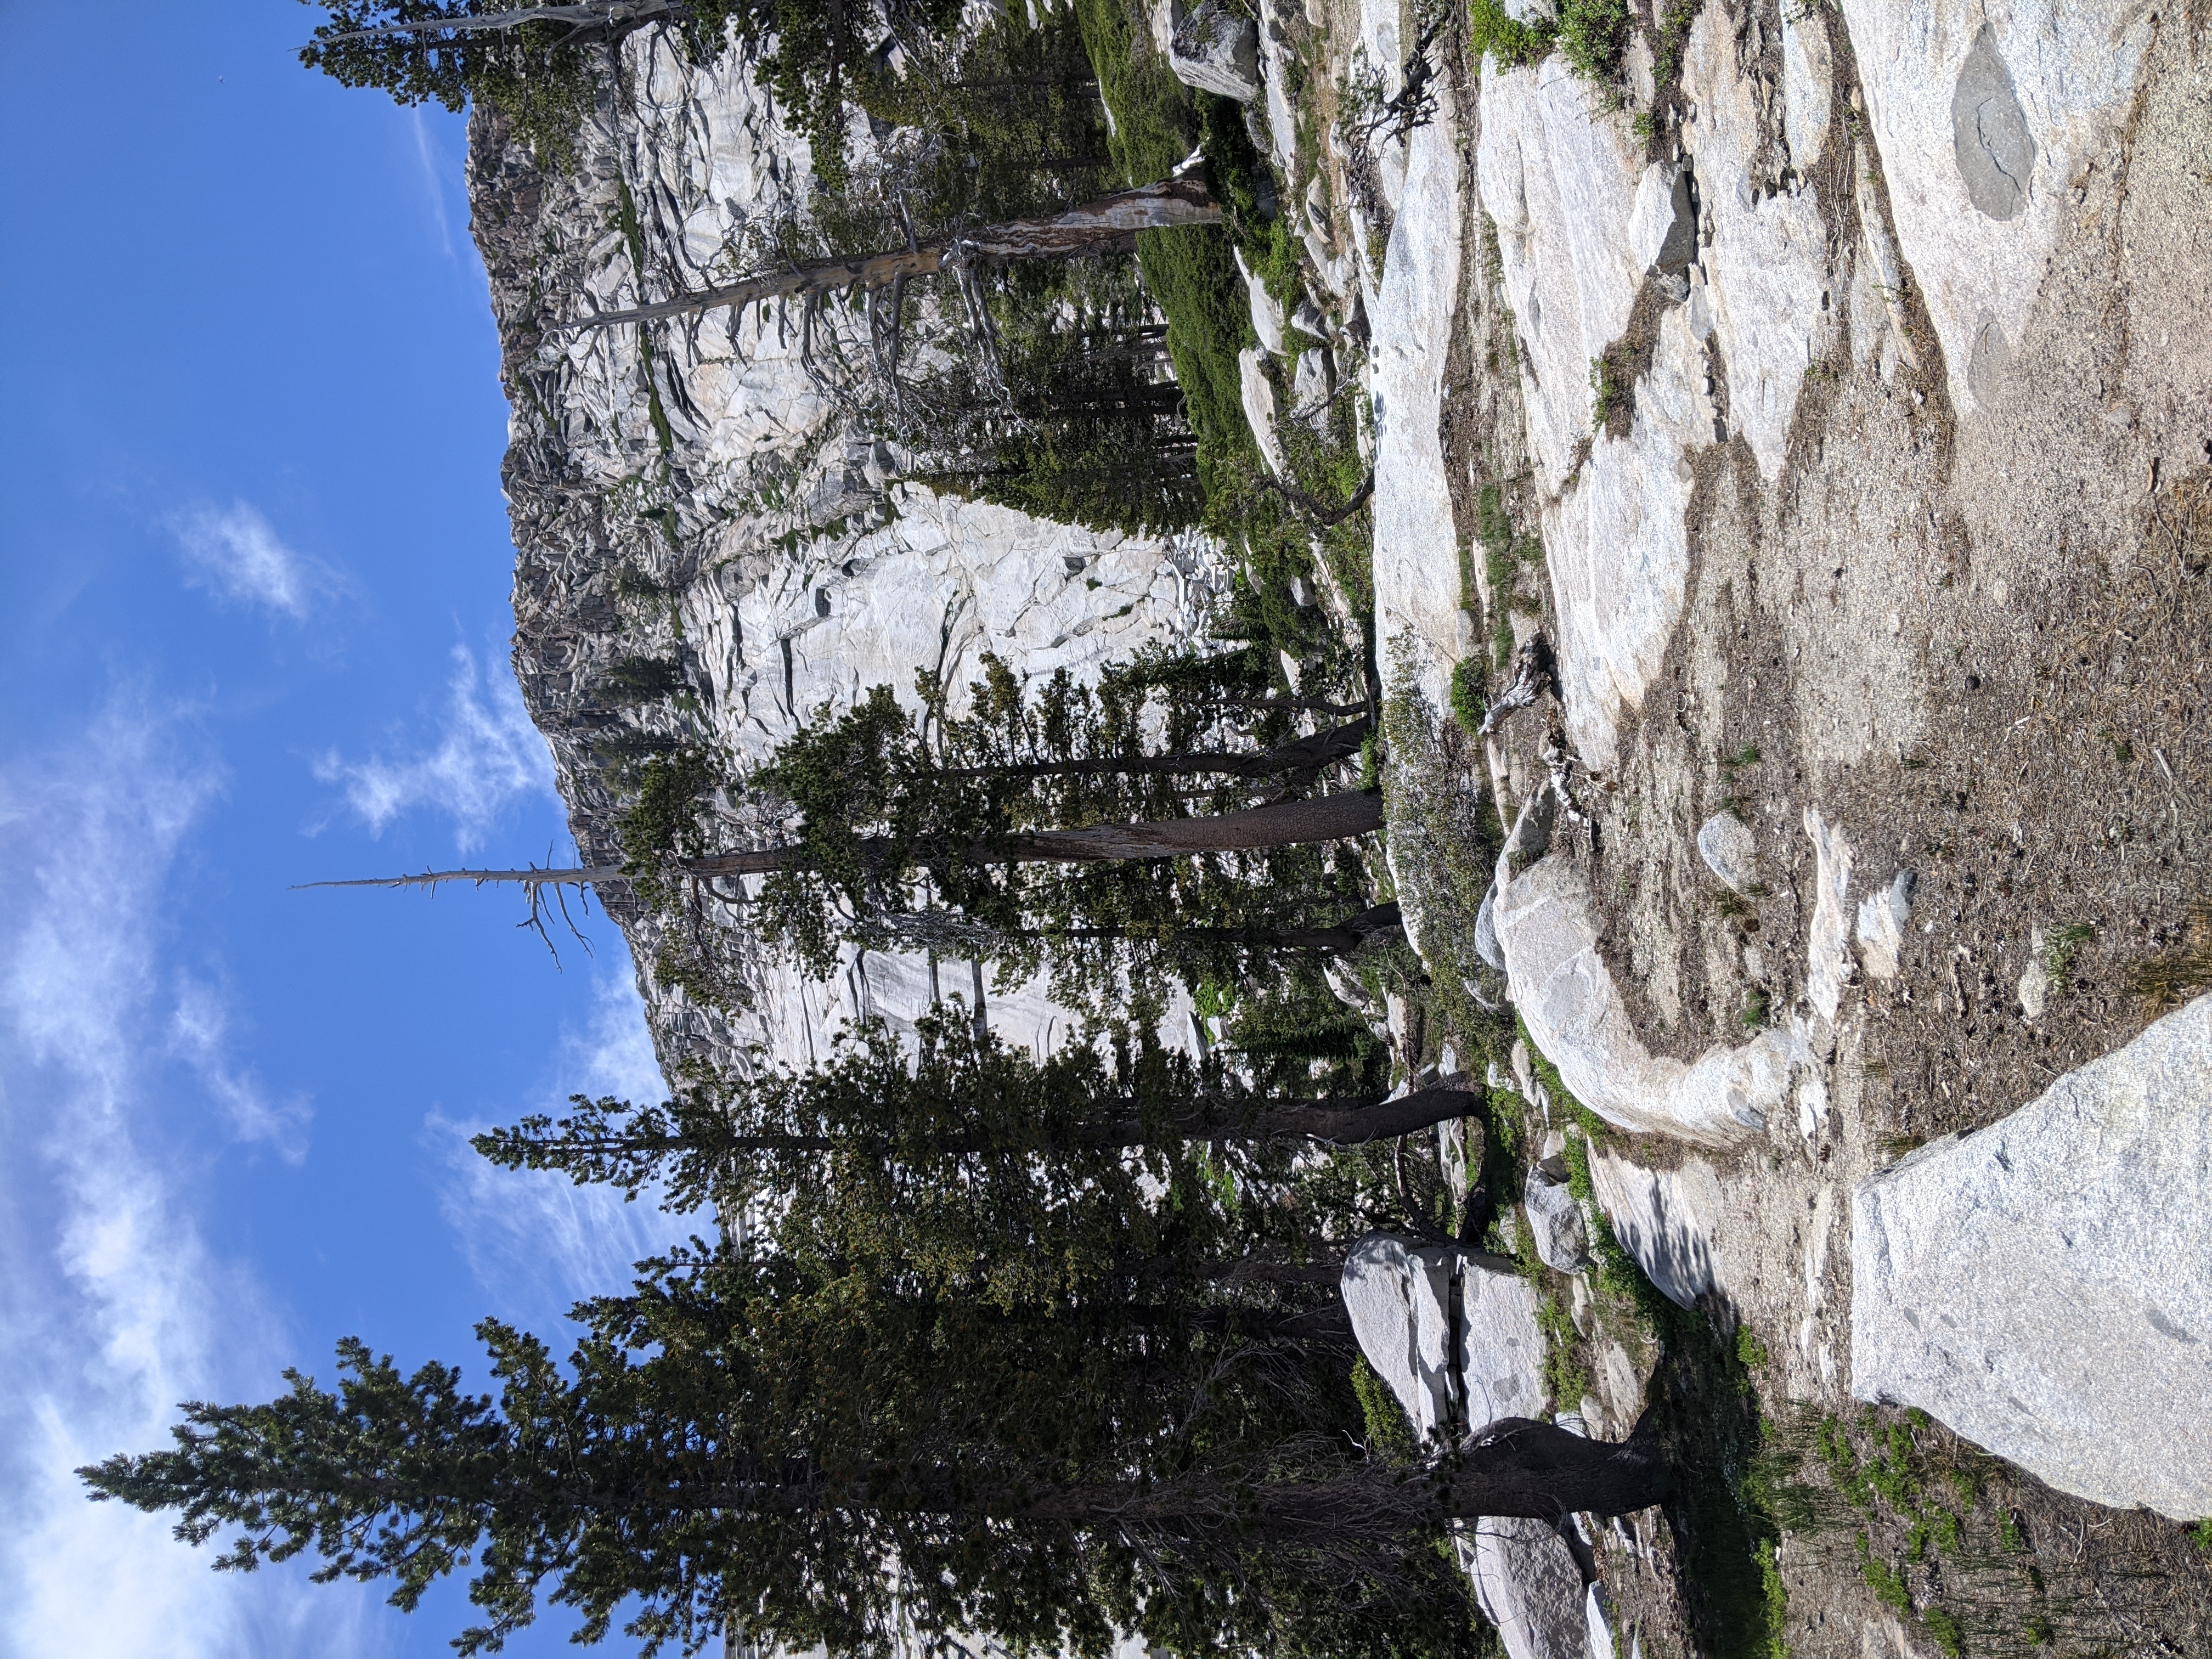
pixel 1565 994
pixel 1987 119
pixel 2044 1286
pixel 1451 1332
pixel 1527 1581
pixel 1417 583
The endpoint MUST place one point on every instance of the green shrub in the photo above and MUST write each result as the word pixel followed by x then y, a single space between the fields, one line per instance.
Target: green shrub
pixel 1389 1432
pixel 1467 700
pixel 1593 35
pixel 1750 1351
pixel 1512 43
pixel 2061 946
pixel 1887 1583
pixel 1776 1596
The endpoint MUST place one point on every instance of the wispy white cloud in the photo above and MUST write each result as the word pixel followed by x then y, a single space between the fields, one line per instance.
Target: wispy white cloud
pixel 199 1031
pixel 112 1308
pixel 488 756
pixel 234 553
pixel 535 1240
pixel 430 157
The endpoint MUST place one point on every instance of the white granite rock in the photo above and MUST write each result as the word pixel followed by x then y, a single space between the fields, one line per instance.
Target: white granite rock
pixel 1451 1332
pixel 1501 1346
pixel 1399 1302
pixel 1983 116
pixel 1486 930
pixel 1807 71
pixel 1416 558
pixel 1663 226
pixel 1216 48
pixel 1617 548
pixel 1314 381
pixel 1574 1012
pixel 1667 1219
pixel 1725 843
pixel 1266 310
pixel 1882 926
pixel 1555 1220
pixel 1259 399
pixel 2044 1286
pixel 1597 1624
pixel 1275 57
pixel 1766 263
pixel 1527 1584
pixel 1829 967
pixel 1558 180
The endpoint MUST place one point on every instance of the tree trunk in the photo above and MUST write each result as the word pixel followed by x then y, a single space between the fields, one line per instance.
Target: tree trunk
pixel 1336 1122
pixel 1280 824
pixel 587 20
pixel 1099 226
pixel 1343 939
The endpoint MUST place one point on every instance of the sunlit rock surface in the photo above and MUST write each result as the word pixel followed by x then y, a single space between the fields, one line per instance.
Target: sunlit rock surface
pixel 710 503
pixel 2044 1286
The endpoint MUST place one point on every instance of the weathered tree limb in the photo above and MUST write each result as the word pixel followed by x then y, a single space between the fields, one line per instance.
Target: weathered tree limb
pixel 584 14
pixel 1095 228
pixel 1257 828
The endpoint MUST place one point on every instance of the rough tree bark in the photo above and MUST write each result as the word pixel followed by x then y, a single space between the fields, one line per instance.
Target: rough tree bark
pixel 590 18
pixel 1098 226
pixel 1279 823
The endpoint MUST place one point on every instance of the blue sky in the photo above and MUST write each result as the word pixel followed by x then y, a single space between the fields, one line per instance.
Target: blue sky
pixel 254 569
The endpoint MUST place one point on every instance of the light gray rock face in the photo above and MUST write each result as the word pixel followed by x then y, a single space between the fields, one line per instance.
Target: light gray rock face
pixel 1560 184
pixel 1266 310
pixel 1452 1333
pixel 1555 1220
pixel 1527 1584
pixel 1828 964
pixel 1575 1014
pixel 1662 224
pixel 1416 559
pixel 1808 72
pixel 1766 263
pixel 1258 393
pixel 2044 1284
pixel 1668 1219
pixel 1216 48
pixel 1501 1346
pixel 1881 926
pixel 1580 221
pixel 793 567
pixel 1485 931
pixel 1725 843
pixel 1399 1302
pixel 1618 549
pixel 1316 378
pixel 1597 1623
pixel 1983 118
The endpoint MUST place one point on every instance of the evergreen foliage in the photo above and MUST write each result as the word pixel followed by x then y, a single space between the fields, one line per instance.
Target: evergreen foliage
pixel 909 826
pixel 811 1450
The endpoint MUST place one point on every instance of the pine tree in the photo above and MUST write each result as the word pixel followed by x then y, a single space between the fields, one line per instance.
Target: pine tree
pixel 961 1101
pixel 808 1455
